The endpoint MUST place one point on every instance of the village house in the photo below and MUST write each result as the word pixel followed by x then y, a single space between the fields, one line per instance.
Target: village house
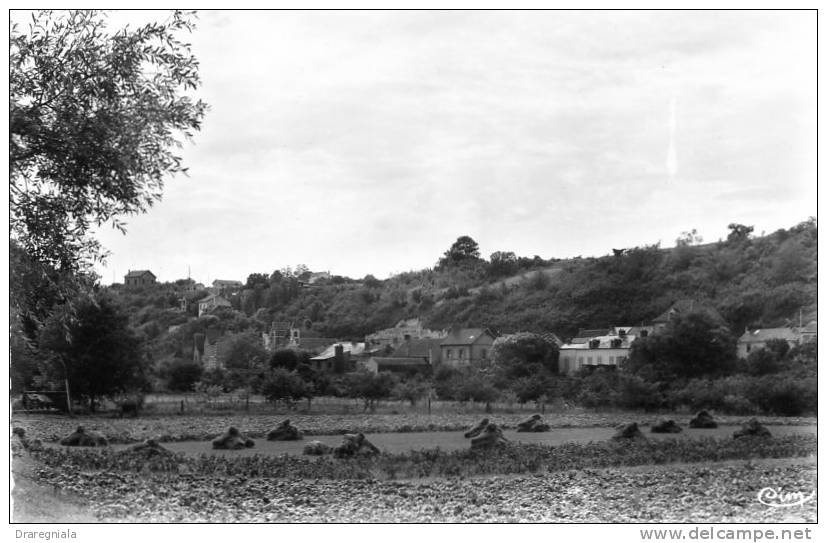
pixel 412 356
pixel 226 286
pixel 405 330
pixel 338 357
pixel 609 349
pixel 464 347
pixel 753 340
pixel 205 305
pixel 139 278
pixel 284 335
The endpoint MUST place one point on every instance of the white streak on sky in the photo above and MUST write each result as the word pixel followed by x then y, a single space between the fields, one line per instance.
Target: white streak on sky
pixel 672 155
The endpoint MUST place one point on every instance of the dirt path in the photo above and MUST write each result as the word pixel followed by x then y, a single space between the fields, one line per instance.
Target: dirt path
pixel 33 502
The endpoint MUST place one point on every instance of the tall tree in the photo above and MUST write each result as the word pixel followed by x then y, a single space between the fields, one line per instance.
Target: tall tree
pixel 95 118
pixel 94 350
pixel 463 249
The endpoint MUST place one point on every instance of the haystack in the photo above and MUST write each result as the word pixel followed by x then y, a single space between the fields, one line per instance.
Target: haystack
pixel 665 426
pixel 284 432
pixel 628 432
pixel 534 424
pixel 317 448
pixel 475 431
pixel 703 420
pixel 84 438
pixel 232 439
pixel 752 428
pixel 355 444
pixel 490 437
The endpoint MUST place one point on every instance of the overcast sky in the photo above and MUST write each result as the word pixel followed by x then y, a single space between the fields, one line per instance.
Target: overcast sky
pixel 367 142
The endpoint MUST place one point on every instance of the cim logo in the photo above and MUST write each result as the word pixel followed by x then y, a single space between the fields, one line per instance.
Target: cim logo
pixel 775 497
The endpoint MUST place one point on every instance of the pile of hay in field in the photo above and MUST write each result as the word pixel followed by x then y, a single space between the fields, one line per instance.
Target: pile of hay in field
pixel 703 420
pixel 475 431
pixel 752 428
pixel 317 448
pixel 490 437
pixel 232 439
pixel 355 444
pixel 534 424
pixel 84 438
pixel 666 427
pixel 628 432
pixel 284 432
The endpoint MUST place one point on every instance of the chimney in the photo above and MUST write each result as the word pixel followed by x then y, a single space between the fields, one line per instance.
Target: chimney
pixel 339 358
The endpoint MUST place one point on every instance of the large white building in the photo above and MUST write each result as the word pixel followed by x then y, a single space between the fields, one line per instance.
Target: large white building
pixel 610 349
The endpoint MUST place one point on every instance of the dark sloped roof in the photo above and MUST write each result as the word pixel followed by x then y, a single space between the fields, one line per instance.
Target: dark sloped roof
pixel 139 273
pixel 592 332
pixel 417 347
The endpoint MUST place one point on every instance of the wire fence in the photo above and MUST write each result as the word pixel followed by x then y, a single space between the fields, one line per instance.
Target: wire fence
pixel 198 403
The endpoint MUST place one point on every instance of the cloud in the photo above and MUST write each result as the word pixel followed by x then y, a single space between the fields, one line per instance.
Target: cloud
pixel 366 142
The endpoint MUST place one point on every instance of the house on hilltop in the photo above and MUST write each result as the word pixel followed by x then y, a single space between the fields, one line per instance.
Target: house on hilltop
pixel 222 286
pixel 464 347
pixel 205 305
pixel 139 278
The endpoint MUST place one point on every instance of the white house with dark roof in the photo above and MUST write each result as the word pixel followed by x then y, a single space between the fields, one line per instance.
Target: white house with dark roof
pixel 610 349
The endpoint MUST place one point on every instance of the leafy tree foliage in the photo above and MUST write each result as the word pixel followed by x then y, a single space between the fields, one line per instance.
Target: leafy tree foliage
pixel 286 386
pixel 94 120
pixel 284 358
pixel 691 345
pixel 524 355
pixel 95 350
pixel 739 232
pixel 463 249
pixel 503 264
pixel 182 375
pixel 368 386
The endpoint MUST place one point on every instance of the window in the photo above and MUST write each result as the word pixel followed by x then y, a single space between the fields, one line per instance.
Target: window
pixel 580 360
pixel 484 353
pixel 589 360
pixel 448 353
pixel 599 360
pixel 611 360
pixel 460 354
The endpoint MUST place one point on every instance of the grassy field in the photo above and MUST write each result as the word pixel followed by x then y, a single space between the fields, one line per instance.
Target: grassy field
pixel 572 474
pixel 51 428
